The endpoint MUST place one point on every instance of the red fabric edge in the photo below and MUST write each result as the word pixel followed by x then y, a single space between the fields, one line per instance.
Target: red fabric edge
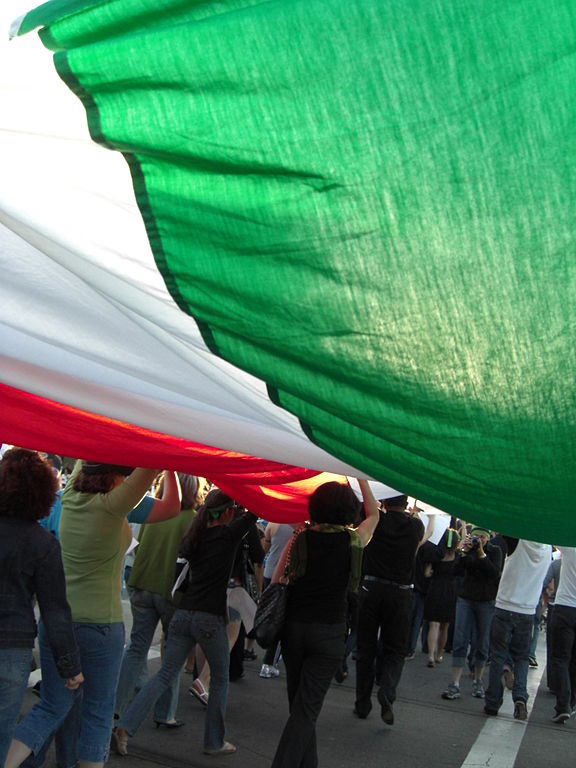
pixel 274 491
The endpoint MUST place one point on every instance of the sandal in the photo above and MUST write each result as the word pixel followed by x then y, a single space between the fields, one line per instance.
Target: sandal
pixel 431 663
pixel 120 740
pixel 199 692
pixel 225 749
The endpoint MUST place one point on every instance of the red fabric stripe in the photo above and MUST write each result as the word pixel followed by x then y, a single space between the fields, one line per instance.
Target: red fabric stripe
pixel 276 492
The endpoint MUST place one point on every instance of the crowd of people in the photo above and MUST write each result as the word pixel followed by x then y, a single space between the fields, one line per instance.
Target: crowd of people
pixel 364 579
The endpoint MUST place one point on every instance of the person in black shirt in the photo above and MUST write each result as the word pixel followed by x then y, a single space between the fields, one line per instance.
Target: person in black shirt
pixel 209 547
pixel 481 565
pixel 325 562
pixel 386 604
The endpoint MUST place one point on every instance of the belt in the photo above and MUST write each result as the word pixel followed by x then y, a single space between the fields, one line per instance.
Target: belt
pixel 387 581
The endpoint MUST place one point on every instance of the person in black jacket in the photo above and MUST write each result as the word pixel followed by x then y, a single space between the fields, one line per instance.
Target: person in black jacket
pixel 481 565
pixel 30 565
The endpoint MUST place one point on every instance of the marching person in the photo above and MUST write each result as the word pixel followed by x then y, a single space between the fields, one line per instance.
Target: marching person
pixel 481 564
pixel 511 632
pixel 386 603
pixel 94 534
pixel 325 562
pixel 30 566
pixel 209 547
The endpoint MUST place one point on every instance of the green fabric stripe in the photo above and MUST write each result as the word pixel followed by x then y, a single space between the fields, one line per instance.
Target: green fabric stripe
pixel 369 205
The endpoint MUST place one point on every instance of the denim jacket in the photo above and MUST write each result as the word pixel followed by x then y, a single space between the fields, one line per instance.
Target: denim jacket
pixel 31 564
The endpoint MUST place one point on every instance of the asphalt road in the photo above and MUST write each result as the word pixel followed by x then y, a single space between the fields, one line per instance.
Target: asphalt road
pixel 428 732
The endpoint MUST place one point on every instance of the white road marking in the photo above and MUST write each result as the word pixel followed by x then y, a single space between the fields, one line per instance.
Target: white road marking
pixel 499 740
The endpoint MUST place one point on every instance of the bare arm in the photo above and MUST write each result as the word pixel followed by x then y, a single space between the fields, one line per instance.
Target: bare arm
pixel 271 529
pixel 169 505
pixel 367 527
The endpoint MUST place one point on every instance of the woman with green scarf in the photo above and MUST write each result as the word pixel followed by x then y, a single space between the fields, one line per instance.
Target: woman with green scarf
pixel 325 563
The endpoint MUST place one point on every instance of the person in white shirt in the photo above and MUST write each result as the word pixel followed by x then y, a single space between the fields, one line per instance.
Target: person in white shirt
pixel 564 638
pixel 513 622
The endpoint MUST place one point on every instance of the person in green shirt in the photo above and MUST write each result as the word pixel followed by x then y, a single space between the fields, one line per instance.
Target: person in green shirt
pixel 150 586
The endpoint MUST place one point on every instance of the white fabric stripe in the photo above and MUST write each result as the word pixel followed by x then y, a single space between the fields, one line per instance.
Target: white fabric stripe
pixel 85 316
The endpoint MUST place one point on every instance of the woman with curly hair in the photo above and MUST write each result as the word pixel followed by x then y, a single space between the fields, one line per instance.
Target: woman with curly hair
pixel 97 503
pixel 30 565
pixel 325 563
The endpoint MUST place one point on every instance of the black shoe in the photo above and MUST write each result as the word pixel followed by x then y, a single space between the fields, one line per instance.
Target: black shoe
pixel 561 717
pixel 340 675
pixel 170 726
pixel 520 712
pixel 490 712
pixel 362 713
pixel 386 711
pixel 532 663
pixel 249 655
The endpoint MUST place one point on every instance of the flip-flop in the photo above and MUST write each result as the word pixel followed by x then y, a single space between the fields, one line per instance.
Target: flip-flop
pixel 199 692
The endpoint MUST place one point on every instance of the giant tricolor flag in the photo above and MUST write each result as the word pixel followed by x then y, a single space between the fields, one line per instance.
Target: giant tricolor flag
pixel 259 240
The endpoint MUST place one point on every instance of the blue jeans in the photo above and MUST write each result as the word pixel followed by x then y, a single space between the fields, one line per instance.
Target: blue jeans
pixel 186 629
pixel 86 713
pixel 470 615
pixel 510 636
pixel 14 671
pixel 537 618
pixel 148 608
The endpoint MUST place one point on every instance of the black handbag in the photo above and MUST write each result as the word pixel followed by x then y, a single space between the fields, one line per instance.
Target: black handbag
pixel 270 615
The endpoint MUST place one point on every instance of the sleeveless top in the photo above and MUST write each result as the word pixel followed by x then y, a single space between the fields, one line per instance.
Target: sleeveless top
pixel 319 595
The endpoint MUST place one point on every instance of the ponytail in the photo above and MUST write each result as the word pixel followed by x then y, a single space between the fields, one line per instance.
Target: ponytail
pixel 216 503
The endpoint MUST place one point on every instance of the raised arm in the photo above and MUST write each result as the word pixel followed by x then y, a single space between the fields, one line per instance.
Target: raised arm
pixel 169 504
pixel 367 527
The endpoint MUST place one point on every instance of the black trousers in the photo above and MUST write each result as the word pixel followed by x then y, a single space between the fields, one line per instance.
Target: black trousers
pixel 564 657
pixel 385 609
pixel 311 654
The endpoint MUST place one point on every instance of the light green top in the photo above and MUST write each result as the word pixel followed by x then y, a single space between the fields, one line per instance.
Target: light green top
pixel 155 562
pixel 95 535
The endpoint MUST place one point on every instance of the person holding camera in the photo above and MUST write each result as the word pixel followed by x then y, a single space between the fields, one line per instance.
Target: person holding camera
pixel 480 564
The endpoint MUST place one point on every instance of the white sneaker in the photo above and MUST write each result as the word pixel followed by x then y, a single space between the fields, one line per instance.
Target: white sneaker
pixel 269 671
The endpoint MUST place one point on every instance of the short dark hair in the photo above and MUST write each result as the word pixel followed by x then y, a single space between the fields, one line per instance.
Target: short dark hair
pixel 334 503
pixel 396 502
pixel 28 485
